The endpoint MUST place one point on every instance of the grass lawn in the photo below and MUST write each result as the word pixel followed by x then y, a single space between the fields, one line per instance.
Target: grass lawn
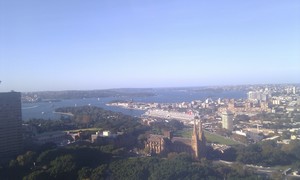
pixel 219 139
pixel 187 133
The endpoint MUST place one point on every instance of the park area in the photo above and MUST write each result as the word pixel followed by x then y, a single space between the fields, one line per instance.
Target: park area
pixel 210 137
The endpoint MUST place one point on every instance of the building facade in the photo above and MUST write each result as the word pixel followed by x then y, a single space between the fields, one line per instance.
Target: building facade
pixel 156 144
pixel 195 146
pixel 11 141
pixel 258 95
pixel 198 142
pixel 227 120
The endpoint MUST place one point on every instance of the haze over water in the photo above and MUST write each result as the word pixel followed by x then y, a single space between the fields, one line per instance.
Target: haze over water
pixel 45 110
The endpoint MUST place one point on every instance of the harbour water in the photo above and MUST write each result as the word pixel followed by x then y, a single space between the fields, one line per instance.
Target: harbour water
pixel 44 110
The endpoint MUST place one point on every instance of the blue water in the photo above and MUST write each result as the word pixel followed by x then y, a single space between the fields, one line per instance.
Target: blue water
pixel 45 110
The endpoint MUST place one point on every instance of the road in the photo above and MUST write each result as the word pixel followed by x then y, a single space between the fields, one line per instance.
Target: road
pixel 261 169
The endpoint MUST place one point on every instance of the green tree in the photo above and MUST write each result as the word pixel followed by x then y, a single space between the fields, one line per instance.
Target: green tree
pixel 36 175
pixel 99 173
pixel 62 167
pixel 26 159
pixel 250 154
pixel 84 173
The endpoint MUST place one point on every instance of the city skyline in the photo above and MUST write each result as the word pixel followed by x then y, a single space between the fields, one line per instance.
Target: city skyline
pixel 74 45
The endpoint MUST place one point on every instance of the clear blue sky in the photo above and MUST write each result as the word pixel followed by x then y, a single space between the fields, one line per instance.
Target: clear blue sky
pixel 100 44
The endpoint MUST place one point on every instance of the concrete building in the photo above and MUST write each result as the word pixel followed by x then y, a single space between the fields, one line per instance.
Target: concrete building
pixel 257 95
pixel 103 135
pixel 106 133
pixel 294 90
pixel 227 120
pixel 11 142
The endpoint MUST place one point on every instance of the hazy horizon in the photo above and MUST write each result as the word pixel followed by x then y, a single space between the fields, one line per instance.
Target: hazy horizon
pixel 155 88
pixel 76 45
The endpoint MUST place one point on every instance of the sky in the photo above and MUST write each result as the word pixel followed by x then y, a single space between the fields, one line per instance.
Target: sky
pixel 84 45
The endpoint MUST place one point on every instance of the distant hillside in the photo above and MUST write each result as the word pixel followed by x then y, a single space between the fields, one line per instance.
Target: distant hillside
pixel 74 94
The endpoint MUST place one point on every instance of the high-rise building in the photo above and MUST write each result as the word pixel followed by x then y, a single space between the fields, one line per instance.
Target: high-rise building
pixel 10 125
pixel 227 120
pixel 258 95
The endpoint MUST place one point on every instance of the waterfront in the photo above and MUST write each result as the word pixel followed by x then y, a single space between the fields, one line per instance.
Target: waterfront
pixel 45 110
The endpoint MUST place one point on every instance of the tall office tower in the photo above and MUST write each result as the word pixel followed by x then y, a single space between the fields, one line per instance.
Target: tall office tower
pixel 251 95
pixel 10 125
pixel 227 120
pixel 294 90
